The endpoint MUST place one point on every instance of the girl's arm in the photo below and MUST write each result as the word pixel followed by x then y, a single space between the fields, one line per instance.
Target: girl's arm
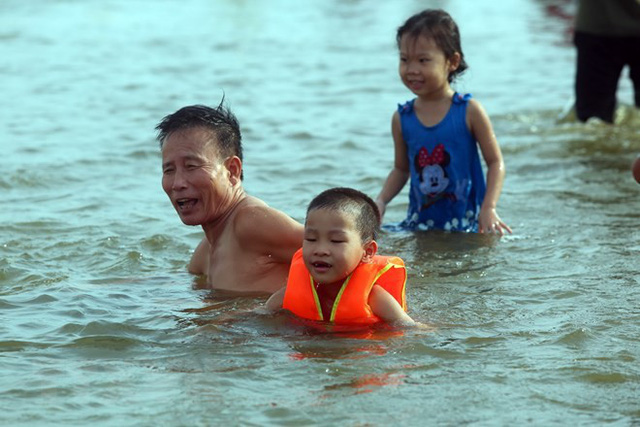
pixel 480 126
pixel 385 306
pixel 400 173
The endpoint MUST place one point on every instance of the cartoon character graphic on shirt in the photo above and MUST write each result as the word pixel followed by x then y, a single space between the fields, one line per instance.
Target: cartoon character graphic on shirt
pixel 433 175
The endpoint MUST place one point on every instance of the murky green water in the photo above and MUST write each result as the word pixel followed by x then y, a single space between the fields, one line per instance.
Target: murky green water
pixel 100 323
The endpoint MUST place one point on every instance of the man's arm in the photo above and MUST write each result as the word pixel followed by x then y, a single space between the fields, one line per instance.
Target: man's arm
pixel 199 263
pixel 269 232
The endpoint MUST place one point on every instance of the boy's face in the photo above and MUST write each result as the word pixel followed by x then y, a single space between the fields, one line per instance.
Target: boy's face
pixel 332 247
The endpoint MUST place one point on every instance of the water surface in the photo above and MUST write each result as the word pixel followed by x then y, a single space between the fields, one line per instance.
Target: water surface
pixel 100 323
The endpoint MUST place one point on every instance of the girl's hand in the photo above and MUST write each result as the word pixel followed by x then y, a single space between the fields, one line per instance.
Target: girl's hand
pixel 490 222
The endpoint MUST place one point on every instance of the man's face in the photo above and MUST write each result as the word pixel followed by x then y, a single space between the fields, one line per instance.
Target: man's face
pixel 194 176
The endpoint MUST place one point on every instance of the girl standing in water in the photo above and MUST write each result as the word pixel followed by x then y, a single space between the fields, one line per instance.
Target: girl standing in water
pixel 435 136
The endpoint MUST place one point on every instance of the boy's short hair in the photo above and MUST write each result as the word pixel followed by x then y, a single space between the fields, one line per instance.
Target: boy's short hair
pixel 353 202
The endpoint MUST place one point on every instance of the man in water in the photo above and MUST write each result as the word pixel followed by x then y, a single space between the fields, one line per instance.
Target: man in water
pixel 247 246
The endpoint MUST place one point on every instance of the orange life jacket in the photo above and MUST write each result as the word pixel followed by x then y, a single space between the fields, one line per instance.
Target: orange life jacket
pixel 352 302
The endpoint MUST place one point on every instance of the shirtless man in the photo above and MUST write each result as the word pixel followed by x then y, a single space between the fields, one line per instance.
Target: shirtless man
pixel 247 246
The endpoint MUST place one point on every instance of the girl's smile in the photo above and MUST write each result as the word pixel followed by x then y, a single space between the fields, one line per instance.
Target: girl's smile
pixel 423 68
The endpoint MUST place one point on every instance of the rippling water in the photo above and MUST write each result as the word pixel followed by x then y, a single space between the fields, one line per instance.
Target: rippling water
pixel 100 323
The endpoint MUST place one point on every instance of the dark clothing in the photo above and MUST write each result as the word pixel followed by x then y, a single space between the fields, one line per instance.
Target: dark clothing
pixel 607 38
pixel 620 18
pixel 600 62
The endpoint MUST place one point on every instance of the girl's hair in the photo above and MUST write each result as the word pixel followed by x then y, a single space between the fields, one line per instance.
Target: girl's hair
pixel 439 26
pixel 352 202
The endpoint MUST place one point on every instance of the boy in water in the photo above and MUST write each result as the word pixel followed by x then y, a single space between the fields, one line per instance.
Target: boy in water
pixel 337 276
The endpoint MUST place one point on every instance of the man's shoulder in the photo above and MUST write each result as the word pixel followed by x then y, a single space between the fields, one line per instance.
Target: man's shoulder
pixel 252 209
pixel 255 223
pixel 253 215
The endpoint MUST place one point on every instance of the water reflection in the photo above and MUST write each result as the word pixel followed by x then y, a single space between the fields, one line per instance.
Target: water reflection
pixel 369 382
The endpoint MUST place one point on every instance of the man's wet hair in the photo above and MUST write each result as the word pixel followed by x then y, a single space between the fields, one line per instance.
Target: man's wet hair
pixel 219 120
pixel 352 202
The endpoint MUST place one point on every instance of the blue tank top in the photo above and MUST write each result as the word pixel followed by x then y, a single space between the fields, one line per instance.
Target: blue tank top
pixel 447 182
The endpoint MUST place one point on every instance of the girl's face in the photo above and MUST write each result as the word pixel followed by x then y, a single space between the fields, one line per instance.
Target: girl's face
pixel 424 69
pixel 332 247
